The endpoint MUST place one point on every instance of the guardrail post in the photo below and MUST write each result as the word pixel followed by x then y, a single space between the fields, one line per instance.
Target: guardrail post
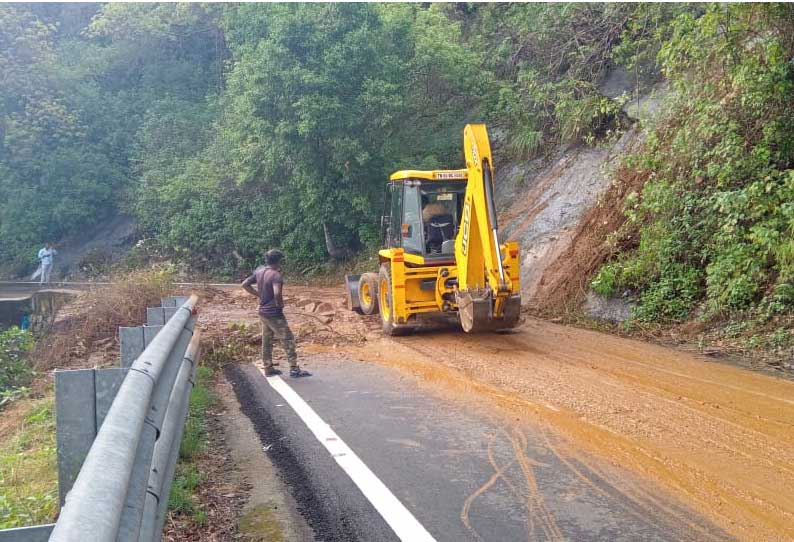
pixel 158 316
pixel 131 344
pixel 106 385
pixel 149 333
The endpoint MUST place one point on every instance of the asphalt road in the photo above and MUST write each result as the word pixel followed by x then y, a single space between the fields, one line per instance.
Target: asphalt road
pixel 464 473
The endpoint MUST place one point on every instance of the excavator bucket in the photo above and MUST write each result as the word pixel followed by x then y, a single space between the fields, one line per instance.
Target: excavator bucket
pixel 476 312
pixel 351 292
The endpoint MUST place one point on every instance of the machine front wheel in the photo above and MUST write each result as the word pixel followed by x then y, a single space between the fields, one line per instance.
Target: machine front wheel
pixel 368 293
pixel 385 303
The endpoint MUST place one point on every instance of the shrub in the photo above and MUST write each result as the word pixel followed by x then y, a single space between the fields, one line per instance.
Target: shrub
pixel 605 282
pixel 15 370
pixel 715 225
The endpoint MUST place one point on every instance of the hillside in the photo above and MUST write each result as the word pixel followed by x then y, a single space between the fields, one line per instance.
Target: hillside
pixel 643 150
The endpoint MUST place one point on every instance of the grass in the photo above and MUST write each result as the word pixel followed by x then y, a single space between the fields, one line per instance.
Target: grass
pixel 28 469
pixel 188 477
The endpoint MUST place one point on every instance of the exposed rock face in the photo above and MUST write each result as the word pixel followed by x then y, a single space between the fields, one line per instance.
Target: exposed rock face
pixel 612 309
pixel 107 241
pixel 541 208
pixel 542 203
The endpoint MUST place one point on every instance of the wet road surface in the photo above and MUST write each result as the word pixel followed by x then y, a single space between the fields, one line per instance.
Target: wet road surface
pixel 464 473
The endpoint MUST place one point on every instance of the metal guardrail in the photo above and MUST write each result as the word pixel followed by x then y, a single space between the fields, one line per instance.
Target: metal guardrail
pixel 121 490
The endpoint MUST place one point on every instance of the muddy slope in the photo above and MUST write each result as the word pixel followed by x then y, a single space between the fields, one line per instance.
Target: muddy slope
pixel 542 208
pixel 544 203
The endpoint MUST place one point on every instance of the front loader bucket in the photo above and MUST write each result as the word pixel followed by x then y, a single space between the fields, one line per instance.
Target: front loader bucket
pixel 351 292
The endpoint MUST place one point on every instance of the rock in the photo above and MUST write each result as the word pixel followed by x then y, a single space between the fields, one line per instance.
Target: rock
pixel 324 307
pixel 309 307
pixel 613 309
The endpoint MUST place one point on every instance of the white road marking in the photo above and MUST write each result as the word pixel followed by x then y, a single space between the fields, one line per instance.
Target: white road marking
pixel 402 522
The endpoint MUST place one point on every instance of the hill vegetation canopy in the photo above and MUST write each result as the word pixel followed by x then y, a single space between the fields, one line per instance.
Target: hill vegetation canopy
pixel 228 129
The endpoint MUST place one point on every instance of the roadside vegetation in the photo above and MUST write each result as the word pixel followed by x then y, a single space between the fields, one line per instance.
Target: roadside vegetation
pixel 710 235
pixel 189 477
pixel 16 372
pixel 227 129
pixel 83 335
pixel 28 465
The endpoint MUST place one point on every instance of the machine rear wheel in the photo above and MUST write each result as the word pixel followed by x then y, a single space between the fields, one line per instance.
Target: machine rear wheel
pixel 368 293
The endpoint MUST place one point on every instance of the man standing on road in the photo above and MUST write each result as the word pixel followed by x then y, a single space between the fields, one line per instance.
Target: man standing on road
pixel 269 290
pixel 46 256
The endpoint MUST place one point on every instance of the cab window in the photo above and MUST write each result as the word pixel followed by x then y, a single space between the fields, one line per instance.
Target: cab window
pixel 441 210
pixel 394 237
pixel 411 227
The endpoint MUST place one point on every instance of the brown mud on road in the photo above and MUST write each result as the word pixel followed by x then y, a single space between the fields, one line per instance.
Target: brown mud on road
pixel 718 437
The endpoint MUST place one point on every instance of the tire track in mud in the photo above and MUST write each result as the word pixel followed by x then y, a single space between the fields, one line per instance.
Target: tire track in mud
pixel 535 500
pixel 657 515
pixel 489 483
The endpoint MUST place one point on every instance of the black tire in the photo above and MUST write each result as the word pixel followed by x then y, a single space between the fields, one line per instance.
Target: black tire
pixel 368 293
pixel 384 301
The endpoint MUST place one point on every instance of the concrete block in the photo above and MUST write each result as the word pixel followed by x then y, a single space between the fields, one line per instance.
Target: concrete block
pixel 37 533
pixel 149 332
pixel 174 301
pixel 155 316
pixel 168 312
pixel 107 384
pixel 132 343
pixel 76 426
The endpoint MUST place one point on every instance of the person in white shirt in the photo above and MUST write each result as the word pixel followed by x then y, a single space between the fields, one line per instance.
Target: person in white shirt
pixel 46 257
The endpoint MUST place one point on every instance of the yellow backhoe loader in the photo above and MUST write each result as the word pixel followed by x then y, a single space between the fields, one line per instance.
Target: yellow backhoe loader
pixel 441 253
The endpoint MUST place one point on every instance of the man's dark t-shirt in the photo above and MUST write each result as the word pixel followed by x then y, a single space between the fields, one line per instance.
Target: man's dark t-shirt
pixel 265 277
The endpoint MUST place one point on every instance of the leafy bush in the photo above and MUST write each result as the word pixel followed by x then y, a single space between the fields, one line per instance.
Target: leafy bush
pixel 715 225
pixel 15 370
pixel 606 281
pixel 671 296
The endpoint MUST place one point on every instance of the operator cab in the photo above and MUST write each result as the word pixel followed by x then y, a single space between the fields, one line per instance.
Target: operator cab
pixel 423 211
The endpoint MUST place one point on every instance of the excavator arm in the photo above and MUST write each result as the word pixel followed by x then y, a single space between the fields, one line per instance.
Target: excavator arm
pixel 487 294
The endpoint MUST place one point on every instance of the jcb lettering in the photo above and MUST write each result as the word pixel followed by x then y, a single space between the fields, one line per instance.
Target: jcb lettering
pixel 466 219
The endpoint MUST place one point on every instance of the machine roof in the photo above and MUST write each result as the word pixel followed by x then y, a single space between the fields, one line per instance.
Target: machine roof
pixel 431 175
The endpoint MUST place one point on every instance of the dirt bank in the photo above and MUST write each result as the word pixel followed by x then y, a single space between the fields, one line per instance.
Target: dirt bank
pixel 718 437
